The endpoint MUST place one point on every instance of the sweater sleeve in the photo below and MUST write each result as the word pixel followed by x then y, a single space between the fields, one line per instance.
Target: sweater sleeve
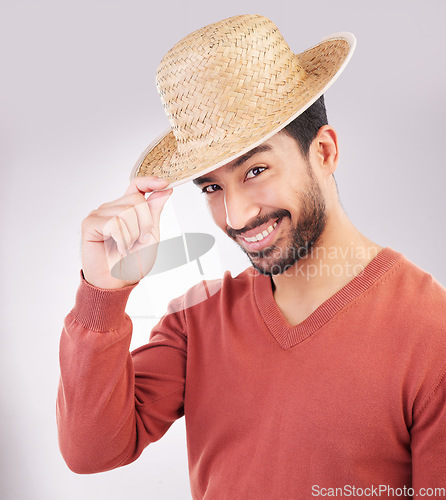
pixel 111 404
pixel 428 442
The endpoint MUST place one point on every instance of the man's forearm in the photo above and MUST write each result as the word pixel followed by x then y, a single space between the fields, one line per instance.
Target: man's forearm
pixel 95 406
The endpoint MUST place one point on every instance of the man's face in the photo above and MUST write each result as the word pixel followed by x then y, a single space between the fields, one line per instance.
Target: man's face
pixel 269 202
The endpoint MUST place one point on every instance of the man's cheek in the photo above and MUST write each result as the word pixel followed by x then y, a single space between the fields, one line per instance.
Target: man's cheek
pixel 218 214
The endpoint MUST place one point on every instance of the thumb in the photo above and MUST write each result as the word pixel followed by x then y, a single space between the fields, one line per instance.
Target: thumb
pixel 146 184
pixel 156 202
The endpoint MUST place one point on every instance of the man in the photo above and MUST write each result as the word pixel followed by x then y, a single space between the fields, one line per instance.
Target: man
pixel 321 369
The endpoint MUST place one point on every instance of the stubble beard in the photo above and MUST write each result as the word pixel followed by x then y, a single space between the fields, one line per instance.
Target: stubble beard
pixel 292 247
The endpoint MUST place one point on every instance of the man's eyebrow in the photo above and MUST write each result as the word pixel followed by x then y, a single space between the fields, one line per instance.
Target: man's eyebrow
pixel 239 161
pixel 259 149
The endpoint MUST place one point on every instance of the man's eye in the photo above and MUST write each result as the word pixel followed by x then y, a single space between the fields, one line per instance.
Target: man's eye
pixel 254 172
pixel 210 189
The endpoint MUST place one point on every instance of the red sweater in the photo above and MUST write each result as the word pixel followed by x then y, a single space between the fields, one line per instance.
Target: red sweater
pixel 354 396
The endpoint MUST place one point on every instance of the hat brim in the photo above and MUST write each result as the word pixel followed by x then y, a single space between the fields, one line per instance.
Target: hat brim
pixel 323 63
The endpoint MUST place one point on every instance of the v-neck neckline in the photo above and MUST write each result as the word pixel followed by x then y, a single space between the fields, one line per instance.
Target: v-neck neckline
pixel 288 335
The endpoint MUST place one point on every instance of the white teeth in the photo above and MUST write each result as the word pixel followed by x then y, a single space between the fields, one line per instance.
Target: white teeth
pixel 264 234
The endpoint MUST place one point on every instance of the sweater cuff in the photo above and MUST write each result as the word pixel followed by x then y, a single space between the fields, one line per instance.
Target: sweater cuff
pixel 98 309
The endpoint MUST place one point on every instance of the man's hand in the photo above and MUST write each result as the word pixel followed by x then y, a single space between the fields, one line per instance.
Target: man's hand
pixel 122 228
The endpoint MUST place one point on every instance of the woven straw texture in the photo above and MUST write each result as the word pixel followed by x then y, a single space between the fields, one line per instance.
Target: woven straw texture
pixel 227 87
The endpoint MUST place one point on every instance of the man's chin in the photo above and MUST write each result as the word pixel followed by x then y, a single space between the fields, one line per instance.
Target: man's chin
pixel 269 268
pixel 270 261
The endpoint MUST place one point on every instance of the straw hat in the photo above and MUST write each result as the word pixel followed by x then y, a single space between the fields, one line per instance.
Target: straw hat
pixel 228 87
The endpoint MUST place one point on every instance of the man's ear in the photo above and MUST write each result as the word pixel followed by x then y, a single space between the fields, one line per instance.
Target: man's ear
pixel 325 148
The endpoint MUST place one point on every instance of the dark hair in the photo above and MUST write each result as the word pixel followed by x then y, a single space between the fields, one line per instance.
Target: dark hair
pixel 304 128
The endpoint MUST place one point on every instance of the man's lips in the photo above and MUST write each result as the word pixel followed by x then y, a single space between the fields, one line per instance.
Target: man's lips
pixel 258 234
pixel 259 238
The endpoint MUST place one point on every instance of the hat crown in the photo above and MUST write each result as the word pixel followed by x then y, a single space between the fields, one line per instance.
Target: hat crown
pixel 225 77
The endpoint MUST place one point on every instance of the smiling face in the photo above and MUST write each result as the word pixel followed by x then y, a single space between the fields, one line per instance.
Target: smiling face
pixel 269 202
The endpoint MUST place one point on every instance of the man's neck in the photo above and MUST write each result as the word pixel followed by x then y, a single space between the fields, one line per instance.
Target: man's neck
pixel 340 255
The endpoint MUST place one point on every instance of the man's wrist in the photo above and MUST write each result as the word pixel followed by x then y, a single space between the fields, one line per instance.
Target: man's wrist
pixel 100 309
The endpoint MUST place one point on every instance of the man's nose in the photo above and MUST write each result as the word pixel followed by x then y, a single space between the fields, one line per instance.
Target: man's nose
pixel 240 208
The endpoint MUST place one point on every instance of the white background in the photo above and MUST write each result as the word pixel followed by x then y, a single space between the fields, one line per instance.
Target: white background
pixel 78 104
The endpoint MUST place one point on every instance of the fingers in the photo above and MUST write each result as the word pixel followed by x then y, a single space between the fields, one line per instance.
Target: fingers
pixel 117 229
pixel 133 218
